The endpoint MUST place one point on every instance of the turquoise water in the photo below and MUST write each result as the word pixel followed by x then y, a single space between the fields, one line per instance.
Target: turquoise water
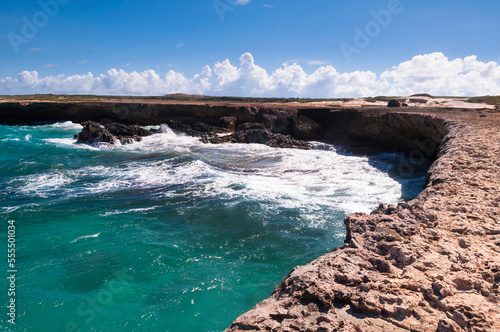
pixel 168 234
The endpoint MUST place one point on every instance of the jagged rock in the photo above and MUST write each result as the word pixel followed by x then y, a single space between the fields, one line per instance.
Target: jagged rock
pixel 95 133
pixel 260 136
pixel 425 265
pixel 123 130
pixel 196 129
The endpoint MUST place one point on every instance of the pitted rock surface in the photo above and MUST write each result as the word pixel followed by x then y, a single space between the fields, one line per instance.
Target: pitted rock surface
pixel 432 264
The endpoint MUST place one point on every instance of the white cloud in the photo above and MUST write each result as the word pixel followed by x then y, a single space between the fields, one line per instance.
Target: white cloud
pixel 430 73
pixel 317 63
pixel 242 2
pixel 436 74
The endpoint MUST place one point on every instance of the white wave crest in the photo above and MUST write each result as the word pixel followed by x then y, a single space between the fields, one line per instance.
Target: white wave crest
pixel 85 237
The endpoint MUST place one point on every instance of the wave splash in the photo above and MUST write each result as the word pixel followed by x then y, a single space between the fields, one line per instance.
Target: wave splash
pixel 308 180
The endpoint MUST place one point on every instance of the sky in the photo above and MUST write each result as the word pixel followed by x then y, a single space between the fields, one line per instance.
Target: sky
pixel 268 48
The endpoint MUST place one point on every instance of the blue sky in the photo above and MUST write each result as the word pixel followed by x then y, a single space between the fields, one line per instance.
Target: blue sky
pixel 80 37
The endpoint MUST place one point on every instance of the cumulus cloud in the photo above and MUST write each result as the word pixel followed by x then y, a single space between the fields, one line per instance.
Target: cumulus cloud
pixel 430 73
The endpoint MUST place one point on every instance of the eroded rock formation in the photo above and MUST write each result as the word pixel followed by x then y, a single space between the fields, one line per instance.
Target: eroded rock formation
pixel 96 133
pixel 430 265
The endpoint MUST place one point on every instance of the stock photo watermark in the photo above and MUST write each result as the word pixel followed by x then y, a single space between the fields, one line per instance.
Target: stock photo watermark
pixel 223 6
pixel 11 272
pixel 89 308
pixel 372 29
pixel 31 26
pixel 418 157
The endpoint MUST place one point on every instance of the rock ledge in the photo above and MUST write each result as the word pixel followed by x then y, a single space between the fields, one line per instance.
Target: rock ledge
pixel 430 265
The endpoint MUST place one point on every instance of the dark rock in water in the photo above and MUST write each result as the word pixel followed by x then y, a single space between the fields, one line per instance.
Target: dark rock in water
pixel 95 133
pixel 180 128
pixel 286 141
pixel 206 128
pixel 260 136
pixel 394 103
pixel 119 130
pixel 306 128
pixel 196 129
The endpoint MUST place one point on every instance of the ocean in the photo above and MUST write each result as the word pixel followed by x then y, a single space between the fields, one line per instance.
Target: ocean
pixel 169 234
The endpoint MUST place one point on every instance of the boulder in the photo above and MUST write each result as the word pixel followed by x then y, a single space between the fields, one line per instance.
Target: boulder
pixel 96 133
pixel 394 103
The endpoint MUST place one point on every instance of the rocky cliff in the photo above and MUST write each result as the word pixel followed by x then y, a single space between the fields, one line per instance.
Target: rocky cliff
pixel 431 264
pixel 374 127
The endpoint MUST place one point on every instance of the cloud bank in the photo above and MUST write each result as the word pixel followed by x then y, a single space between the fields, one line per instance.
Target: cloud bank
pixel 430 73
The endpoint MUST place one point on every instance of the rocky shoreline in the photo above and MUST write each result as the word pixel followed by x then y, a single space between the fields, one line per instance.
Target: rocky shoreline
pixel 430 264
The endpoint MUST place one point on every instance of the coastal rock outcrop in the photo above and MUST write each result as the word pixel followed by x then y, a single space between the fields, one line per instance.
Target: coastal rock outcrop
pixel 260 136
pixel 307 128
pixel 431 264
pixel 96 133
pixel 427 265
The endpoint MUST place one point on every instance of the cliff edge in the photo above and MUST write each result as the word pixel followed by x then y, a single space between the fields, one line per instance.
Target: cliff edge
pixel 430 265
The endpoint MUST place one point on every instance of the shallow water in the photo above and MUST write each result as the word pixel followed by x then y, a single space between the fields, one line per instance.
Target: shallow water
pixel 169 234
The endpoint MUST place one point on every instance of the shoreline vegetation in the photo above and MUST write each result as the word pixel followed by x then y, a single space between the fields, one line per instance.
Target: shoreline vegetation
pixel 429 264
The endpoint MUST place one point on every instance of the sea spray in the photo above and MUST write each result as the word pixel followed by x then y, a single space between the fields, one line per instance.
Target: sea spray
pixel 205 231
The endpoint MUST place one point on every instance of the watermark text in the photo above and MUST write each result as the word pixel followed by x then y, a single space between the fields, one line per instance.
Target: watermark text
pixel 11 272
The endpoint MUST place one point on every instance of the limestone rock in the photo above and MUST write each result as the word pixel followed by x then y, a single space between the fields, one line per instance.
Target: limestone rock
pixel 426 265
